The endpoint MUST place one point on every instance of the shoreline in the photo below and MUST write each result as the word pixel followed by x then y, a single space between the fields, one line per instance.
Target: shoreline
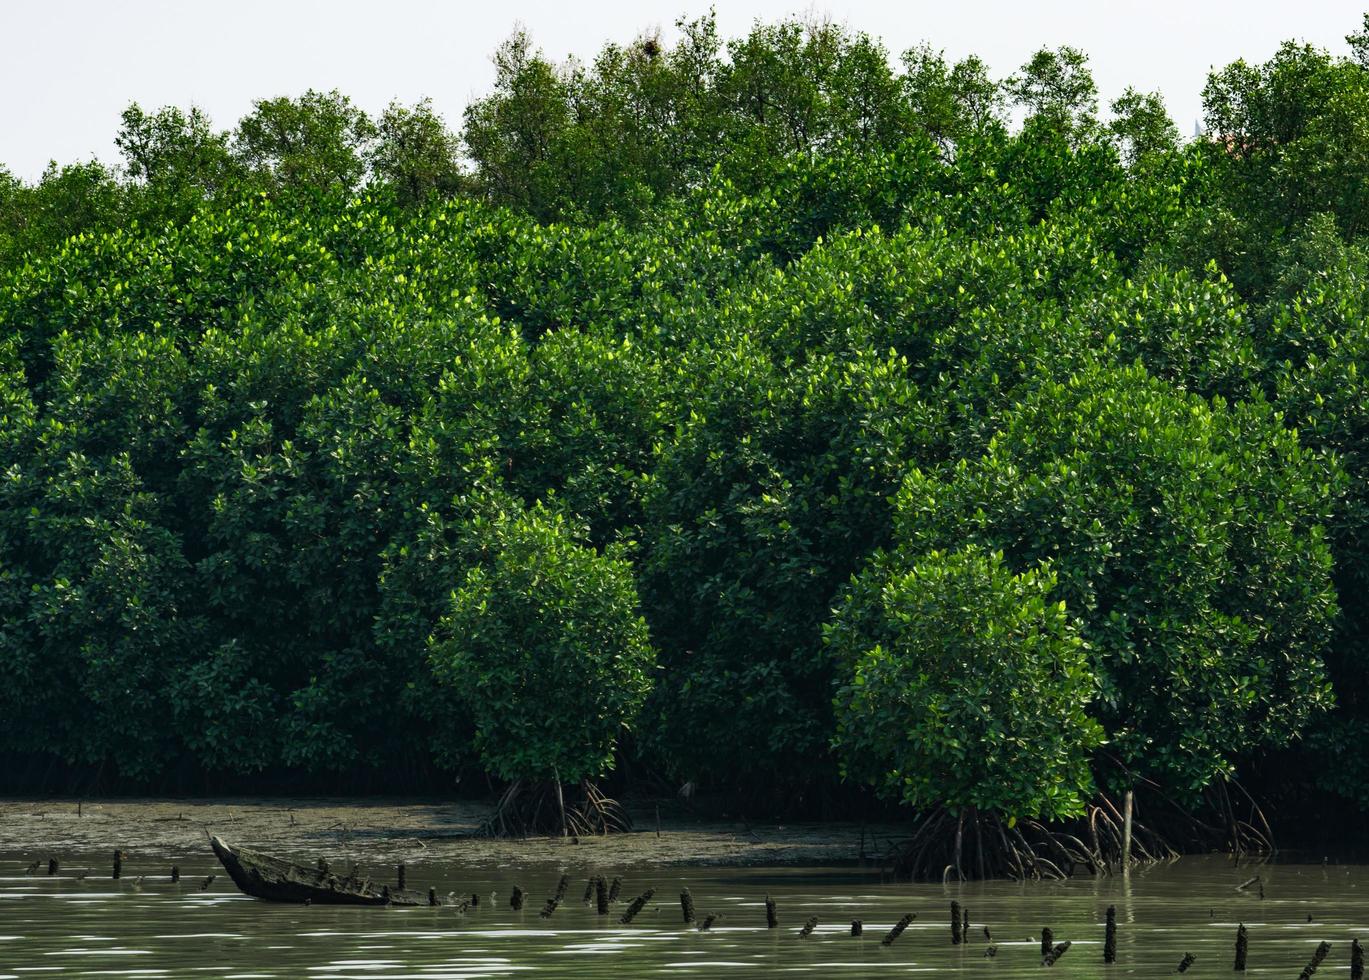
pixel 418 831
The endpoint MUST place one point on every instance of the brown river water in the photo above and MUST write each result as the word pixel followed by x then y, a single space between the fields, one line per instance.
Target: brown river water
pixel 70 926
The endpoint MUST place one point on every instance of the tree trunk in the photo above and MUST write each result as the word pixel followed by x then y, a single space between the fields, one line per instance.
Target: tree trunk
pixel 561 805
pixel 1127 805
pixel 959 841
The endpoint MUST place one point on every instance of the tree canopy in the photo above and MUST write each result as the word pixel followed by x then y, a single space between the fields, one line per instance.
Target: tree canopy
pixel 546 651
pixel 972 689
pixel 795 407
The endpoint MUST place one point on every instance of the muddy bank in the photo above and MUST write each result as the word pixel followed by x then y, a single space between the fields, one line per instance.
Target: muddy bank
pixel 413 830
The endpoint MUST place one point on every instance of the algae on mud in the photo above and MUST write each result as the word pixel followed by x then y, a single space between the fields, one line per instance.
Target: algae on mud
pixel 389 831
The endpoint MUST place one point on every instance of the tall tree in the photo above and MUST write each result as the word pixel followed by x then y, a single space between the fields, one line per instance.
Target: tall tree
pixel 1359 43
pixel 174 149
pixel 1057 90
pixel 950 102
pixel 415 153
pixel 1141 126
pixel 1291 138
pixel 511 134
pixel 317 141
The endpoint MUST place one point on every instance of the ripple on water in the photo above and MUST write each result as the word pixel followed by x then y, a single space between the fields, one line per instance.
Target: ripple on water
pixel 70 927
pixel 104 951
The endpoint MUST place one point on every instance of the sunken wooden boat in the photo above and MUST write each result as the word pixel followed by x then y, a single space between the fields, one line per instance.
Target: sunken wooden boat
pixel 276 880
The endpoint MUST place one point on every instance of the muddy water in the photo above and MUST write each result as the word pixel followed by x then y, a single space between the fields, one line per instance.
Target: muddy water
pixel 94 926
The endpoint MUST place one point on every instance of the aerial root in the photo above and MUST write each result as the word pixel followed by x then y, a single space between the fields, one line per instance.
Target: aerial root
pixel 977 845
pixel 972 844
pixel 529 808
pixel 949 846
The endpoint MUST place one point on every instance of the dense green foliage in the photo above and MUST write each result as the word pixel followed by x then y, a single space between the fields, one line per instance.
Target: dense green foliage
pixel 545 650
pixel 975 692
pixel 1187 542
pixel 987 465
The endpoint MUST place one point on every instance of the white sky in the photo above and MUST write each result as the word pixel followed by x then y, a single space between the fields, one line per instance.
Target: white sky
pixel 68 67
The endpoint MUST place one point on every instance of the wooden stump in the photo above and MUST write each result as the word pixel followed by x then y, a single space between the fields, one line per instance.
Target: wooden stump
pixel 898 928
pixel 636 906
pixel 1055 952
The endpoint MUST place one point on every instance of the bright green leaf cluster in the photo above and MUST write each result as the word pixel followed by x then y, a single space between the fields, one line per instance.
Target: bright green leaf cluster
pixel 546 650
pixel 969 688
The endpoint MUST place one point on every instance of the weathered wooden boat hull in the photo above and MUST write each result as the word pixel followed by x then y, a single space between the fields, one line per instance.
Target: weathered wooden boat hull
pixel 275 880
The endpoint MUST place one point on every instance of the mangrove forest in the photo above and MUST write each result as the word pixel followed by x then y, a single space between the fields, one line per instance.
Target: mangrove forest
pixel 781 420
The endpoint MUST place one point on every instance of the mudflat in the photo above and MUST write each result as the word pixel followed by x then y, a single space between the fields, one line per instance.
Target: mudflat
pixel 420 830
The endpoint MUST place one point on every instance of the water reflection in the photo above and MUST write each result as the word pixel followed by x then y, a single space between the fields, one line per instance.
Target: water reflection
pixel 90 927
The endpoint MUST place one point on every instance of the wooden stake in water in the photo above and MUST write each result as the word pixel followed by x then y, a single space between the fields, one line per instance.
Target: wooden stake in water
pixel 857 927
pixel 1311 967
pixel 772 921
pixel 1047 938
pixel 636 906
pixel 1055 952
pixel 1242 948
pixel 956 924
pixel 560 803
pixel 687 906
pixel 118 864
pixel 1356 960
pixel 516 899
pixel 1185 963
pixel 808 927
pixel 1110 936
pixel 401 877
pixel 1128 804
pixel 898 928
